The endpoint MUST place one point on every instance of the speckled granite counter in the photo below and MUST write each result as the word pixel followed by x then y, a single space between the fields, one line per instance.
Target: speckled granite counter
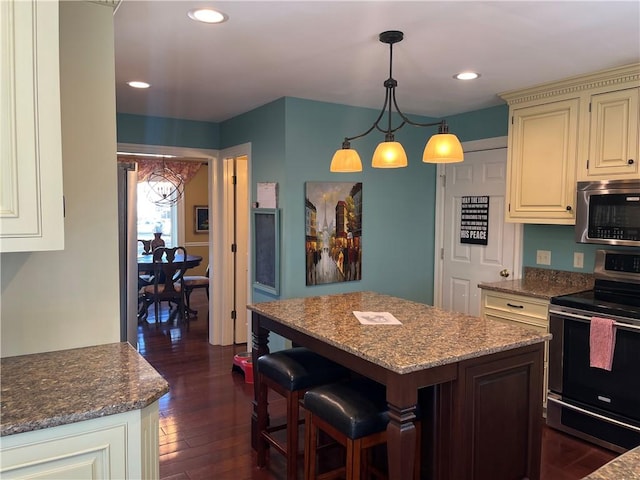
pixel 543 283
pixel 624 467
pixel 428 336
pixel 49 389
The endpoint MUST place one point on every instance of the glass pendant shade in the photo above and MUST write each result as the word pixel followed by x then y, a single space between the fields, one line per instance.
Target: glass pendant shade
pixel 346 160
pixel 389 155
pixel 443 148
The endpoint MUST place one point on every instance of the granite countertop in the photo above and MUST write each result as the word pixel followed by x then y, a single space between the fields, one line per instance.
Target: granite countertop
pixel 45 390
pixel 626 466
pixel 428 336
pixel 543 283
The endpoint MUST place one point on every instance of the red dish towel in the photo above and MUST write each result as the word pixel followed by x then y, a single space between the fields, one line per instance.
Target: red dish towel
pixel 602 341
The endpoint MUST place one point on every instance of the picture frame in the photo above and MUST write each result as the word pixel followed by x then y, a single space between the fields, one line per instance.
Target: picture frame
pixel 201 219
pixel 265 246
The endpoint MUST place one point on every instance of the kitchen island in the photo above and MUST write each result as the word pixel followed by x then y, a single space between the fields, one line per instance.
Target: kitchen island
pixel 482 419
pixel 82 413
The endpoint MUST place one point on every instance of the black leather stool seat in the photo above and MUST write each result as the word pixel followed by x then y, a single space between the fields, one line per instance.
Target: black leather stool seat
pixel 299 368
pixel 289 373
pixel 356 408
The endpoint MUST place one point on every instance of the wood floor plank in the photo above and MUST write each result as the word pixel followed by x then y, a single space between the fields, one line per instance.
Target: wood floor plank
pixel 205 417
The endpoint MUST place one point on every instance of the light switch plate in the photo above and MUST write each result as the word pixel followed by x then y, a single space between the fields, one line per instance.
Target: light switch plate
pixel 543 257
pixel 578 260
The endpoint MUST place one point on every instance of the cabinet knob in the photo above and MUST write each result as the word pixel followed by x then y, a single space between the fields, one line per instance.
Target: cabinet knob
pixel 630 161
pixel 569 208
pixel 504 273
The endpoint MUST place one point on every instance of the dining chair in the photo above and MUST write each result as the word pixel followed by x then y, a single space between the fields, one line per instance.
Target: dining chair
pixel 193 282
pixel 167 286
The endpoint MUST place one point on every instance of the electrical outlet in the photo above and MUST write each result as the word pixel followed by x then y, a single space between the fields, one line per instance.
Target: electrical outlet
pixel 578 260
pixel 543 257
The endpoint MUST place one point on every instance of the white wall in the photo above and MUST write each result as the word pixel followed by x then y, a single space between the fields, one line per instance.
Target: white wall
pixel 59 300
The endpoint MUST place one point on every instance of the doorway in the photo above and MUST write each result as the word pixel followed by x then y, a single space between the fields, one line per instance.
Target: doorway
pixel 459 267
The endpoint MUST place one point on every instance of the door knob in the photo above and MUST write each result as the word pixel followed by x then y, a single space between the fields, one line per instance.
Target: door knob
pixel 504 273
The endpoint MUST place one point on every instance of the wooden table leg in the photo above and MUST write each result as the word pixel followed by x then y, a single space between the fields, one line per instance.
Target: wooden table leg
pixel 260 416
pixel 401 431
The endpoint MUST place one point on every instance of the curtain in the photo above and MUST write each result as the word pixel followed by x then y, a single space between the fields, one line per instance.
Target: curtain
pixel 184 169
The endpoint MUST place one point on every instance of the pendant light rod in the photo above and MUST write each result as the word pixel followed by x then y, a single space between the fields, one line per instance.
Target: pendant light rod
pixel 391 37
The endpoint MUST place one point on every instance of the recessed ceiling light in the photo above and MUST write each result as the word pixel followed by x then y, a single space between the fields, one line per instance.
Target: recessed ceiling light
pixel 467 76
pixel 207 15
pixel 136 84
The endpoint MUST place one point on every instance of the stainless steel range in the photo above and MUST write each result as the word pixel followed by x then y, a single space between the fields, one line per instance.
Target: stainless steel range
pixel 598 405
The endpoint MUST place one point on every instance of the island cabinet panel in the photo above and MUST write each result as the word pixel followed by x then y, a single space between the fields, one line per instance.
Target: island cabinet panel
pixel 498 421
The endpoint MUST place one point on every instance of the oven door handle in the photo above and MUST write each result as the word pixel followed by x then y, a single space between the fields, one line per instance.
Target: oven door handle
pixel 585 318
pixel 592 414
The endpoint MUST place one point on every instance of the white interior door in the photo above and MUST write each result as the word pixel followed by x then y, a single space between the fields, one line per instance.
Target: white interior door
pixel 231 247
pixel 461 267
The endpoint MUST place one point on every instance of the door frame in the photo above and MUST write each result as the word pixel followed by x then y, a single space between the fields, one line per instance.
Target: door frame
pixel 493 143
pixel 203 155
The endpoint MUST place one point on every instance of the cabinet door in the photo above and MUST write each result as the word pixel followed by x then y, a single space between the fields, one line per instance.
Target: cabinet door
pixel 613 138
pixel 31 203
pixel 542 158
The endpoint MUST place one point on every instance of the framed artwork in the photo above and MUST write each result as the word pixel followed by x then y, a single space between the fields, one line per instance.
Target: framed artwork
pixel 333 232
pixel 201 219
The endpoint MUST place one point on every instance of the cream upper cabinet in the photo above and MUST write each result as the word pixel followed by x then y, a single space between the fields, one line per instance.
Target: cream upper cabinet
pixel 580 128
pixel 31 202
pixel 614 145
pixel 541 162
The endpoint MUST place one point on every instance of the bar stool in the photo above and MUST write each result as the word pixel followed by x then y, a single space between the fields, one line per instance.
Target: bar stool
pixel 355 415
pixel 290 373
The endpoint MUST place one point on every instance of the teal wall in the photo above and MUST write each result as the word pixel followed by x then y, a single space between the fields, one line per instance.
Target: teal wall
pixel 559 240
pixel 292 142
pixel 170 132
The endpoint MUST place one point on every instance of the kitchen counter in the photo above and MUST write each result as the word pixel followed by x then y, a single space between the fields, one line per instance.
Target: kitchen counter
pixel 472 360
pixel 45 390
pixel 432 336
pixel 543 283
pixel 626 466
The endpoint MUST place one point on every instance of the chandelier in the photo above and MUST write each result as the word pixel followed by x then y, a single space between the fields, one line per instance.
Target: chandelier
pixel 165 186
pixel 443 147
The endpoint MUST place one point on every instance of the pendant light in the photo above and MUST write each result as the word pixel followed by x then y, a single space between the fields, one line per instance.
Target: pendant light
pixel 443 147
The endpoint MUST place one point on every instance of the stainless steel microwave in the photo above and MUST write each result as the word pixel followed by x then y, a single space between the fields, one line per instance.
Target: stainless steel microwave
pixel 608 212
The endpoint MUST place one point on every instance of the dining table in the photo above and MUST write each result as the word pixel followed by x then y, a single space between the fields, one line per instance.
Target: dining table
pixel 145 262
pixel 482 418
pixel 146 269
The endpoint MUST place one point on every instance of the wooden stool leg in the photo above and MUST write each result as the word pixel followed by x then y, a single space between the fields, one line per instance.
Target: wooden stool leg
pixel 292 435
pixel 262 422
pixel 310 447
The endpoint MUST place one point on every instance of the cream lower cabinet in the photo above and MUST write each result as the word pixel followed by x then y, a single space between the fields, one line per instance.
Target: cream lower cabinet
pixel 614 146
pixel 542 160
pixel 31 202
pixel 117 447
pixel 523 311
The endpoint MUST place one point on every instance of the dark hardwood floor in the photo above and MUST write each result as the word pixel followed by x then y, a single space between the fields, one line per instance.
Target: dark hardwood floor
pixel 205 417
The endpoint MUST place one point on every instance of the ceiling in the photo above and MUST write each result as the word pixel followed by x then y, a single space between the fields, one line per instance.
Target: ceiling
pixel 329 51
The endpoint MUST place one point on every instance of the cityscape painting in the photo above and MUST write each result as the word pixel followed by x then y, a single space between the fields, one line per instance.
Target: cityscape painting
pixel 333 232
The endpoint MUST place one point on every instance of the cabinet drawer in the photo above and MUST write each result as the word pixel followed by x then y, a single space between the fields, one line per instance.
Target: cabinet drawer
pixel 532 310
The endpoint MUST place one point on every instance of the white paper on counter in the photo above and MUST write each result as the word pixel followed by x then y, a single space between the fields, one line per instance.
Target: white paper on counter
pixel 376 318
